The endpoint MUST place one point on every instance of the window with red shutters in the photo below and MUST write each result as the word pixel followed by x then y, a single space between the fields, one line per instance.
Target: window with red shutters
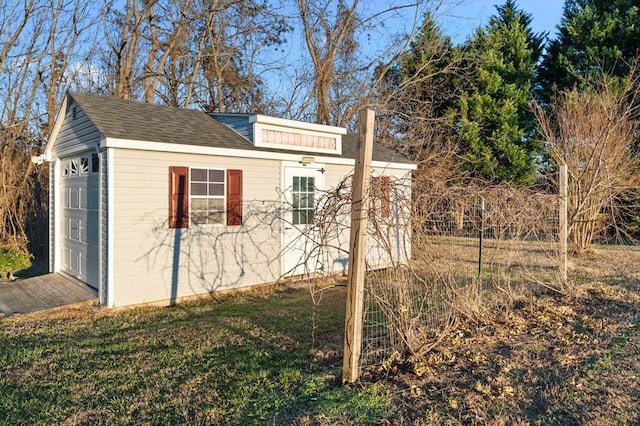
pixel 204 190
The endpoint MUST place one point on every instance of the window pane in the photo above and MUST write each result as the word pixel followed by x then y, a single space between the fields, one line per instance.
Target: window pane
pixel 215 217
pixel 310 184
pixel 296 217
pixel 95 163
pixel 216 176
pixel 296 184
pixel 199 175
pixel 215 204
pixel 199 189
pixel 199 217
pixel 198 204
pixel 216 189
pixel 84 164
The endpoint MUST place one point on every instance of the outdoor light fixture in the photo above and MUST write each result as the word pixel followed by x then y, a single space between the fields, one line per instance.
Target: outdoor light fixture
pixel 307 160
pixel 38 159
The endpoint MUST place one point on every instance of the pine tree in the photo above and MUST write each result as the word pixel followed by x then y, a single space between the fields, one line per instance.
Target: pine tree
pixel 495 126
pixel 595 38
pixel 415 97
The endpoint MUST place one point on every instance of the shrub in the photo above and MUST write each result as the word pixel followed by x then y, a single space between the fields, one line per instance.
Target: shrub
pixel 12 261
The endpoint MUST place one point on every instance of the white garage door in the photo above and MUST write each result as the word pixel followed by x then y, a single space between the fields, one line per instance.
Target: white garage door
pixel 80 188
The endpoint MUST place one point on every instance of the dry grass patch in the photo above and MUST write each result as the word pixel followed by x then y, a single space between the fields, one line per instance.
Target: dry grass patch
pixel 539 359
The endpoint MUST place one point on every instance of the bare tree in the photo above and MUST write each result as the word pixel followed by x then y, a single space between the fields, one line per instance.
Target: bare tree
pixel 327 35
pixel 124 36
pixel 190 52
pixel 592 132
pixel 39 49
pixel 343 41
pixel 414 96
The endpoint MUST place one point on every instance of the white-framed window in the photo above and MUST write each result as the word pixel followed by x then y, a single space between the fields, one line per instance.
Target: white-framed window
pixel 73 167
pixel 207 189
pixel 81 166
pixel 303 192
pixel 204 196
pixel 95 163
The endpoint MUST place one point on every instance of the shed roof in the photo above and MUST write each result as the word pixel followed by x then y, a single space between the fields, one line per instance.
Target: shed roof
pixel 133 120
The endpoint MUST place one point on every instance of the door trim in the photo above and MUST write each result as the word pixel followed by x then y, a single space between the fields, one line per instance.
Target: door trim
pixel 317 169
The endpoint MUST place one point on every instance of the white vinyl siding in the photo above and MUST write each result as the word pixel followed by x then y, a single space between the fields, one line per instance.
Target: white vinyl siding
pixel 394 230
pixel 76 135
pixel 152 262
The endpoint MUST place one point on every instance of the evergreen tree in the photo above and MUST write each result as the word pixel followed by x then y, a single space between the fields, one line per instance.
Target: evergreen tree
pixel 414 99
pixel 428 71
pixel 495 125
pixel 595 38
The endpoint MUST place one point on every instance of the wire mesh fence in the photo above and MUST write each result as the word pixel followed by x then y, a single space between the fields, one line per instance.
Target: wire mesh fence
pixel 470 247
pixel 434 252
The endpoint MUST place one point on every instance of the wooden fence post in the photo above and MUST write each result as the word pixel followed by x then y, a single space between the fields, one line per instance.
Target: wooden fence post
pixel 357 248
pixel 563 231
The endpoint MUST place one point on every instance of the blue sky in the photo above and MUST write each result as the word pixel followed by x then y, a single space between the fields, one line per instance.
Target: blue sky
pixel 459 18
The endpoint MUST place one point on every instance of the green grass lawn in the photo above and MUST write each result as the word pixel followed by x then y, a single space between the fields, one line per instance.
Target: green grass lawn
pixel 246 359
pixel 267 357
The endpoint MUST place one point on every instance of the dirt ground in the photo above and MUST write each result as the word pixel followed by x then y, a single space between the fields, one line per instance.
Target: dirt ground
pixel 543 359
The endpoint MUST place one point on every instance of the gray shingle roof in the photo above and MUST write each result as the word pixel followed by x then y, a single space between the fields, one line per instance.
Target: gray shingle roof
pixel 126 119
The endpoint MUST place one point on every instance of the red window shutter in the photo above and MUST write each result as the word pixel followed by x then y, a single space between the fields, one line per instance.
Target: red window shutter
pixel 178 197
pixel 374 192
pixel 385 195
pixel 234 197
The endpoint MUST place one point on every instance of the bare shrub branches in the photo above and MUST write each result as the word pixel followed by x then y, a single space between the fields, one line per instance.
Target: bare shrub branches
pixel 426 267
pixel 465 261
pixel 592 132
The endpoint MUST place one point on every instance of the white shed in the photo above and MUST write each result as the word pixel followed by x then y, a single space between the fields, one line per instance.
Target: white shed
pixel 151 203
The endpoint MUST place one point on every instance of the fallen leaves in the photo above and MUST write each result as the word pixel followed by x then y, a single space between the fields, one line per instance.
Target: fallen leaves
pixel 525 359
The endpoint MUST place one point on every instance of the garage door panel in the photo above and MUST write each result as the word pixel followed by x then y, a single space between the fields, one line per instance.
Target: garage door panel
pixel 74 196
pixel 74 262
pixel 79 221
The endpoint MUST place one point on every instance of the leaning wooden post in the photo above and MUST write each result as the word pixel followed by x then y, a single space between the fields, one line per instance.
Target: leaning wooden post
pixel 357 248
pixel 563 232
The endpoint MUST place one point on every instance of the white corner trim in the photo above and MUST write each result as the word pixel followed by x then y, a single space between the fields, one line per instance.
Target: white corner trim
pixel 56 129
pixel 57 216
pixel 110 228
